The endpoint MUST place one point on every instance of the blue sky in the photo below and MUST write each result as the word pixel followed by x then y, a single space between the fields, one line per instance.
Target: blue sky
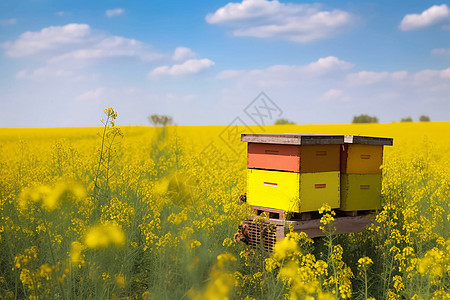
pixel 203 62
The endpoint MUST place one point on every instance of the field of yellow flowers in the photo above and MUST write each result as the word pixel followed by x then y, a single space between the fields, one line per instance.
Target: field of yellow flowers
pixel 150 213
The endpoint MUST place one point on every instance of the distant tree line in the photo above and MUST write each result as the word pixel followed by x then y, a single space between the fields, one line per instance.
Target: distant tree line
pixel 160 120
pixel 363 118
pixel 284 121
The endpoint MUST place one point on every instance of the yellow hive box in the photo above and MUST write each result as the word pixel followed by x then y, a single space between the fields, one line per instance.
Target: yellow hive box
pixel 294 192
pixel 360 192
pixel 361 159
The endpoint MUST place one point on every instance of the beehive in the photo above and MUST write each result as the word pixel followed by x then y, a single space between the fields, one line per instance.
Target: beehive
pixel 299 173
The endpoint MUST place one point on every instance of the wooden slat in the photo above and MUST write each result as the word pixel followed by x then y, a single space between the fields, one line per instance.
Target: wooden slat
pixel 370 140
pixel 314 139
pixel 270 211
pixel 292 139
pixel 312 227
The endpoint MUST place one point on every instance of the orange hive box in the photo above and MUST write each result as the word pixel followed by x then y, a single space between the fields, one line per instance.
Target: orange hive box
pixel 293 158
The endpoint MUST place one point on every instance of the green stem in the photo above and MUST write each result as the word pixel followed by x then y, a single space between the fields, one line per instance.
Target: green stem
pixel 101 157
pixel 365 281
pixel 47 230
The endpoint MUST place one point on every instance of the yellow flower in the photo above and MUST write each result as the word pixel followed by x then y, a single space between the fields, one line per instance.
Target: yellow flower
pixel 223 258
pixel 227 242
pixel 120 280
pixel 284 248
pixel 271 264
pixel 75 253
pixel 324 208
pixel 398 283
pixel 364 262
pixel 194 243
pixel 25 277
pixel 104 235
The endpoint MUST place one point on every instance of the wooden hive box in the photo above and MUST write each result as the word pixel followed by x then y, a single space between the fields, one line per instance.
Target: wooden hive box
pixel 296 173
pixel 361 173
pixel 361 159
pixel 360 192
pixel 293 192
pixel 293 158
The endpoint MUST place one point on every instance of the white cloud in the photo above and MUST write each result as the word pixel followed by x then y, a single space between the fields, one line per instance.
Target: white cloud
pixel 399 75
pixel 301 23
pixel 7 22
pixel 183 53
pixel 281 75
pixel 306 88
pixel 48 38
pixel 177 97
pixel 441 52
pixel 428 17
pixel 190 66
pixel 92 95
pixel 421 79
pixel 113 46
pixel 43 73
pixel 445 74
pixel 327 64
pixel 77 42
pixel 427 76
pixel 368 78
pixel 334 95
pixel 229 74
pixel 114 12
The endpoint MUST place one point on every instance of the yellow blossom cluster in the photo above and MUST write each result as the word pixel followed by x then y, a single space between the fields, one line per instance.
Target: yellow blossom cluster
pixel 104 235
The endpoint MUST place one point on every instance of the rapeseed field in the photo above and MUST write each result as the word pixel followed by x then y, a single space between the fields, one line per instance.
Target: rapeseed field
pixel 150 213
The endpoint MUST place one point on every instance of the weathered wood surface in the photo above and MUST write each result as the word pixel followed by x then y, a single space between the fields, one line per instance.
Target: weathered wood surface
pixel 279 213
pixel 312 227
pixel 314 139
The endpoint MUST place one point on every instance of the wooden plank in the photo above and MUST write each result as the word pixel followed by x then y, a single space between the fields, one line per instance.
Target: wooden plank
pixel 312 227
pixel 271 139
pixel 342 224
pixel 351 213
pixel 314 139
pixel 280 233
pixel 370 140
pixel 293 139
pixel 271 212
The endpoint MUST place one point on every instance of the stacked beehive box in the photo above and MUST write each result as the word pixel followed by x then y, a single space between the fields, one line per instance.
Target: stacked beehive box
pixel 361 173
pixel 299 173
